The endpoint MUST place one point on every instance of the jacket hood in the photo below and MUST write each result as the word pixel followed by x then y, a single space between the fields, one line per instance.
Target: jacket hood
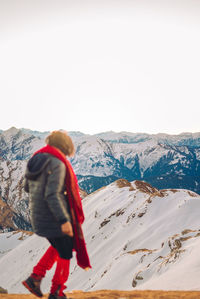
pixel 36 165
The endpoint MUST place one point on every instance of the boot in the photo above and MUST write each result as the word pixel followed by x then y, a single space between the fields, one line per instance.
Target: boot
pixel 33 285
pixel 57 296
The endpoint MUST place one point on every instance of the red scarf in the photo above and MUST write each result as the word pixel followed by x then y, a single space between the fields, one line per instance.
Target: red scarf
pixel 75 204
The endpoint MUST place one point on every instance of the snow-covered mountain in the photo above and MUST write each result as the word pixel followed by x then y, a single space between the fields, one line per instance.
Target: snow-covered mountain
pixel 10 240
pixel 138 237
pixel 164 161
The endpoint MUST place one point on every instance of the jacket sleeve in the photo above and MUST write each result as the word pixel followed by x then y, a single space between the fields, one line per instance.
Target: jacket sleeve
pixel 54 192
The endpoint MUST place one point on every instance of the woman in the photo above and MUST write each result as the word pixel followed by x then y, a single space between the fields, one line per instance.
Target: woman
pixel 56 212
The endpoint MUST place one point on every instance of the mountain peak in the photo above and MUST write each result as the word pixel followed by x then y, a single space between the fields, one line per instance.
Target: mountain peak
pixel 121 183
pixel 11 131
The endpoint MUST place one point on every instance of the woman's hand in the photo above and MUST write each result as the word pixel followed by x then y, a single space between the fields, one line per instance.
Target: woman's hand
pixel 67 229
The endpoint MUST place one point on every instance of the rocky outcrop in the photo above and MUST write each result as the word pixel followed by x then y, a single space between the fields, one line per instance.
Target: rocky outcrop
pixel 10 220
pixel 6 217
pixel 3 291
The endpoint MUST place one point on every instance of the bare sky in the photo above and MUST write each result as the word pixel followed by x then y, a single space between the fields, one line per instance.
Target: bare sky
pixel 93 66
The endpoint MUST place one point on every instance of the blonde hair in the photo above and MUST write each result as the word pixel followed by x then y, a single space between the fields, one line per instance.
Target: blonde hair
pixel 62 141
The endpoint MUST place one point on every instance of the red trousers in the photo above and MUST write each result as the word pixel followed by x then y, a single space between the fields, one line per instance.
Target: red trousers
pixel 61 273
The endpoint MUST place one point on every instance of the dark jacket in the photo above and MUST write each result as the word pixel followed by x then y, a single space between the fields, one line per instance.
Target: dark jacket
pixel 45 183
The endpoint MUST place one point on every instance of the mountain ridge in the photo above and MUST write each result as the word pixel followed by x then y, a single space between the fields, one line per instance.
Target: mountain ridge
pixel 172 162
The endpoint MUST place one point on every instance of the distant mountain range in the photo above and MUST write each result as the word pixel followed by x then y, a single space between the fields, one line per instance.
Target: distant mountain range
pixel 164 161
pixel 137 237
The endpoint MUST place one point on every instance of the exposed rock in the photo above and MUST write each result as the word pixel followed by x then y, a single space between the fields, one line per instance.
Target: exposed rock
pixel 141 214
pixel 82 193
pixel 104 222
pixel 187 231
pixel 3 291
pixel 141 250
pixel 138 277
pixel 145 187
pixel 193 194
pixel 10 220
pixel 6 216
pixel 134 283
pixel 121 183
pixel 130 217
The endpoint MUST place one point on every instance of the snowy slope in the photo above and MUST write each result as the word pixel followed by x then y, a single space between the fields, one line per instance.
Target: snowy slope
pixel 137 237
pixel 10 240
pixel 131 229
